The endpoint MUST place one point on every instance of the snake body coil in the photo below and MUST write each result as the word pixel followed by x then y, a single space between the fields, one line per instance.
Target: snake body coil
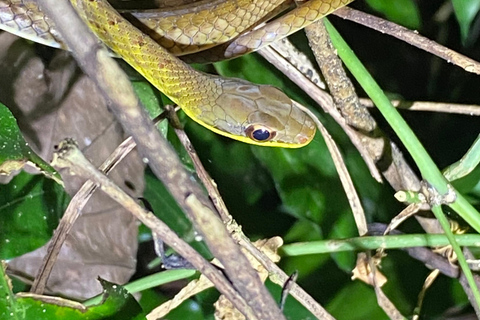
pixel 255 114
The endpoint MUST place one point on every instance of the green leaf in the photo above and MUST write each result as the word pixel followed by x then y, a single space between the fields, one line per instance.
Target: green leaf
pixel 30 208
pixel 359 297
pixel 118 304
pixel 148 96
pixel 465 11
pixel 302 177
pixel 189 309
pixel 151 100
pixel 257 72
pixel 404 12
pixel 293 310
pixel 15 152
pixel 343 228
pixel 303 230
pixel 165 208
pixel 7 298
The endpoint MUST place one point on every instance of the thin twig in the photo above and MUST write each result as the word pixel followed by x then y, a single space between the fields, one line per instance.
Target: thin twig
pixel 276 274
pixel 468 109
pixel 207 181
pixel 345 178
pixel 74 210
pixel 346 100
pixel 68 156
pixel 71 214
pixel 409 36
pixel 163 160
pixel 300 61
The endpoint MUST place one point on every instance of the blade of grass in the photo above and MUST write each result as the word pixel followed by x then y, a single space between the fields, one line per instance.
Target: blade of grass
pixel 464 166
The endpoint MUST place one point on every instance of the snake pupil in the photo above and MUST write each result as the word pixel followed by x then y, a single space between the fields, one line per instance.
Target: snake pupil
pixel 261 134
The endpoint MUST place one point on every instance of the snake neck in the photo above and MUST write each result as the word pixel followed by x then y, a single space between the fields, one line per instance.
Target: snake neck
pixel 180 82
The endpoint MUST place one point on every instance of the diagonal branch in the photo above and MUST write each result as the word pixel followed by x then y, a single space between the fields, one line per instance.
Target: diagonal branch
pixel 117 90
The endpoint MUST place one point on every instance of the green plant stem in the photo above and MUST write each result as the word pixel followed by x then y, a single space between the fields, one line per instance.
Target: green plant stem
pixel 376 242
pixel 437 211
pixel 427 167
pixel 466 211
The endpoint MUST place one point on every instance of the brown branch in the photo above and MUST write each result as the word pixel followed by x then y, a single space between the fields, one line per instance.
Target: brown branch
pixel 163 161
pixel 339 85
pixel 276 274
pixel 68 156
pixel 346 100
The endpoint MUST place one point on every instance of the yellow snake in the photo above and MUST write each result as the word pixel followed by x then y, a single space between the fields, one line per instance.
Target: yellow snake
pixel 255 114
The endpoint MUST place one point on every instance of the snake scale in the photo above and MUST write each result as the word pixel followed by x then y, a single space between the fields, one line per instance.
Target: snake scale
pixel 255 114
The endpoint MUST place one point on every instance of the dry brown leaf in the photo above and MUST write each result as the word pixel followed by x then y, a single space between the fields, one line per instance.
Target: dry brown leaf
pixel 367 271
pixel 363 272
pixel 52 102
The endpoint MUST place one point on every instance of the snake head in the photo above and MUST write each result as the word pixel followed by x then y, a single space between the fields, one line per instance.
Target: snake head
pixel 258 114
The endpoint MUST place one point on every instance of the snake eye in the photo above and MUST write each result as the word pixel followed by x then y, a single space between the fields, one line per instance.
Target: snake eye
pixel 260 133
